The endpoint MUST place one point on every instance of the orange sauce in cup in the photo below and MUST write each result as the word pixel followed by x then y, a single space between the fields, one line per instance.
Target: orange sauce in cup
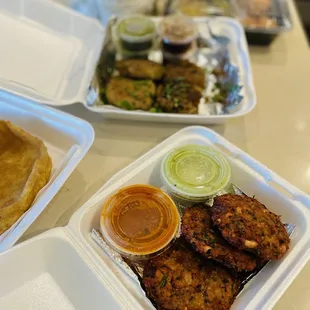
pixel 139 221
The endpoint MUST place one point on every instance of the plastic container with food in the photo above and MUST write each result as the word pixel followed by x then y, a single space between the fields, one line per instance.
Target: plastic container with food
pixel 178 34
pixel 202 7
pixel 136 33
pixel 263 20
pixel 195 173
pixel 139 221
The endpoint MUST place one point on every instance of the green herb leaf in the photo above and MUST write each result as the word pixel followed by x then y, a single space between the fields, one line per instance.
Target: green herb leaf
pixel 163 281
pixel 219 98
pixel 126 105
pixel 210 239
pixel 155 110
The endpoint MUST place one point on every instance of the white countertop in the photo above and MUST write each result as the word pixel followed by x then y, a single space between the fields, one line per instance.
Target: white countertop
pixel 277 133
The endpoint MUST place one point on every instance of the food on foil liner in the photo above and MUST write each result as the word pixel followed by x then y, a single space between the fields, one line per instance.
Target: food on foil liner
pixel 180 279
pixel 187 70
pixel 248 225
pixel 198 230
pixel 189 254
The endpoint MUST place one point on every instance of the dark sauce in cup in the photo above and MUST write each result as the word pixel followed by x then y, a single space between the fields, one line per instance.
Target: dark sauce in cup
pixel 178 33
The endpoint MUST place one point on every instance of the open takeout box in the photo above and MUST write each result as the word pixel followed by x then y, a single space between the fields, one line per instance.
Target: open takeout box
pixel 67 139
pixel 55 52
pixel 67 264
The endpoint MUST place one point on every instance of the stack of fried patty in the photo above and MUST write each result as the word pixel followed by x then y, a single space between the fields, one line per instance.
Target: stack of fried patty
pixel 236 235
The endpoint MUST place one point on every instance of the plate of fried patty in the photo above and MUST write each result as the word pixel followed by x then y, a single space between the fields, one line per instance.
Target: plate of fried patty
pixel 219 244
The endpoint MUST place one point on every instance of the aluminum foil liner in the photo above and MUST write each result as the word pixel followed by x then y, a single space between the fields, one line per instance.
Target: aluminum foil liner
pixel 117 258
pixel 222 94
pixel 135 269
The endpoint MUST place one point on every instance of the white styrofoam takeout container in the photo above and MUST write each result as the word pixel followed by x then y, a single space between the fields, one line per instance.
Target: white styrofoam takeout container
pixel 76 271
pixel 48 51
pixel 55 51
pixel 67 139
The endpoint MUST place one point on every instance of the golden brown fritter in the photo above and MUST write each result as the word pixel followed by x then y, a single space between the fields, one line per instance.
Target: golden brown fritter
pixel 129 94
pixel 25 168
pixel 178 96
pixel 197 230
pixel 249 225
pixel 186 70
pixel 179 279
pixel 140 69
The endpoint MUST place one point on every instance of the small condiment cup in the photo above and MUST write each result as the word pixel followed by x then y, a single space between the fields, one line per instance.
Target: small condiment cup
pixel 195 173
pixel 178 34
pixel 139 221
pixel 136 33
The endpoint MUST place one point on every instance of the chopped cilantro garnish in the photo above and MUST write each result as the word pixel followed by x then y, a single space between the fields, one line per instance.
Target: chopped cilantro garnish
pixel 155 110
pixel 163 281
pixel 126 105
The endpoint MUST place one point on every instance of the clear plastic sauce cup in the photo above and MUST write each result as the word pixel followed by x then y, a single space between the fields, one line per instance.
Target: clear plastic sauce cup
pixel 139 221
pixel 136 33
pixel 178 34
pixel 195 173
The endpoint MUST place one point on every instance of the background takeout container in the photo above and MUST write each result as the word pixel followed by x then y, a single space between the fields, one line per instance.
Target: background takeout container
pixel 256 35
pixel 67 264
pixel 67 139
pixel 55 51
pixel 279 12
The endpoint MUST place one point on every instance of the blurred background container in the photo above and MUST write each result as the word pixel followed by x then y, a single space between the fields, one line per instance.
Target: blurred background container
pixel 104 9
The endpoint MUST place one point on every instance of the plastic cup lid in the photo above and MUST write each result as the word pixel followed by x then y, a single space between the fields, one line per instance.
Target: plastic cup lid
pixel 177 29
pixel 195 171
pixel 135 28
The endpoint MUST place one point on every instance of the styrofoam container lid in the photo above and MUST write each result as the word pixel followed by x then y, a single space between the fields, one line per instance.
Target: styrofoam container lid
pixel 48 52
pixel 53 274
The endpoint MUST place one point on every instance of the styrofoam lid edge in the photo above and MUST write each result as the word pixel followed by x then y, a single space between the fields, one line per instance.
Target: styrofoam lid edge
pixel 74 39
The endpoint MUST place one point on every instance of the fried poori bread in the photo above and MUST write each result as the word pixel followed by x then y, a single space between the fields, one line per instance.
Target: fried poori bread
pixel 249 225
pixel 140 69
pixel 197 230
pixel 179 279
pixel 25 168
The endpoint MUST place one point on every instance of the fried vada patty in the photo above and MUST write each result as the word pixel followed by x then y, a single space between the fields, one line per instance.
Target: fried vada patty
pixel 178 96
pixel 179 279
pixel 197 230
pixel 130 94
pixel 249 225
pixel 140 69
pixel 186 70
